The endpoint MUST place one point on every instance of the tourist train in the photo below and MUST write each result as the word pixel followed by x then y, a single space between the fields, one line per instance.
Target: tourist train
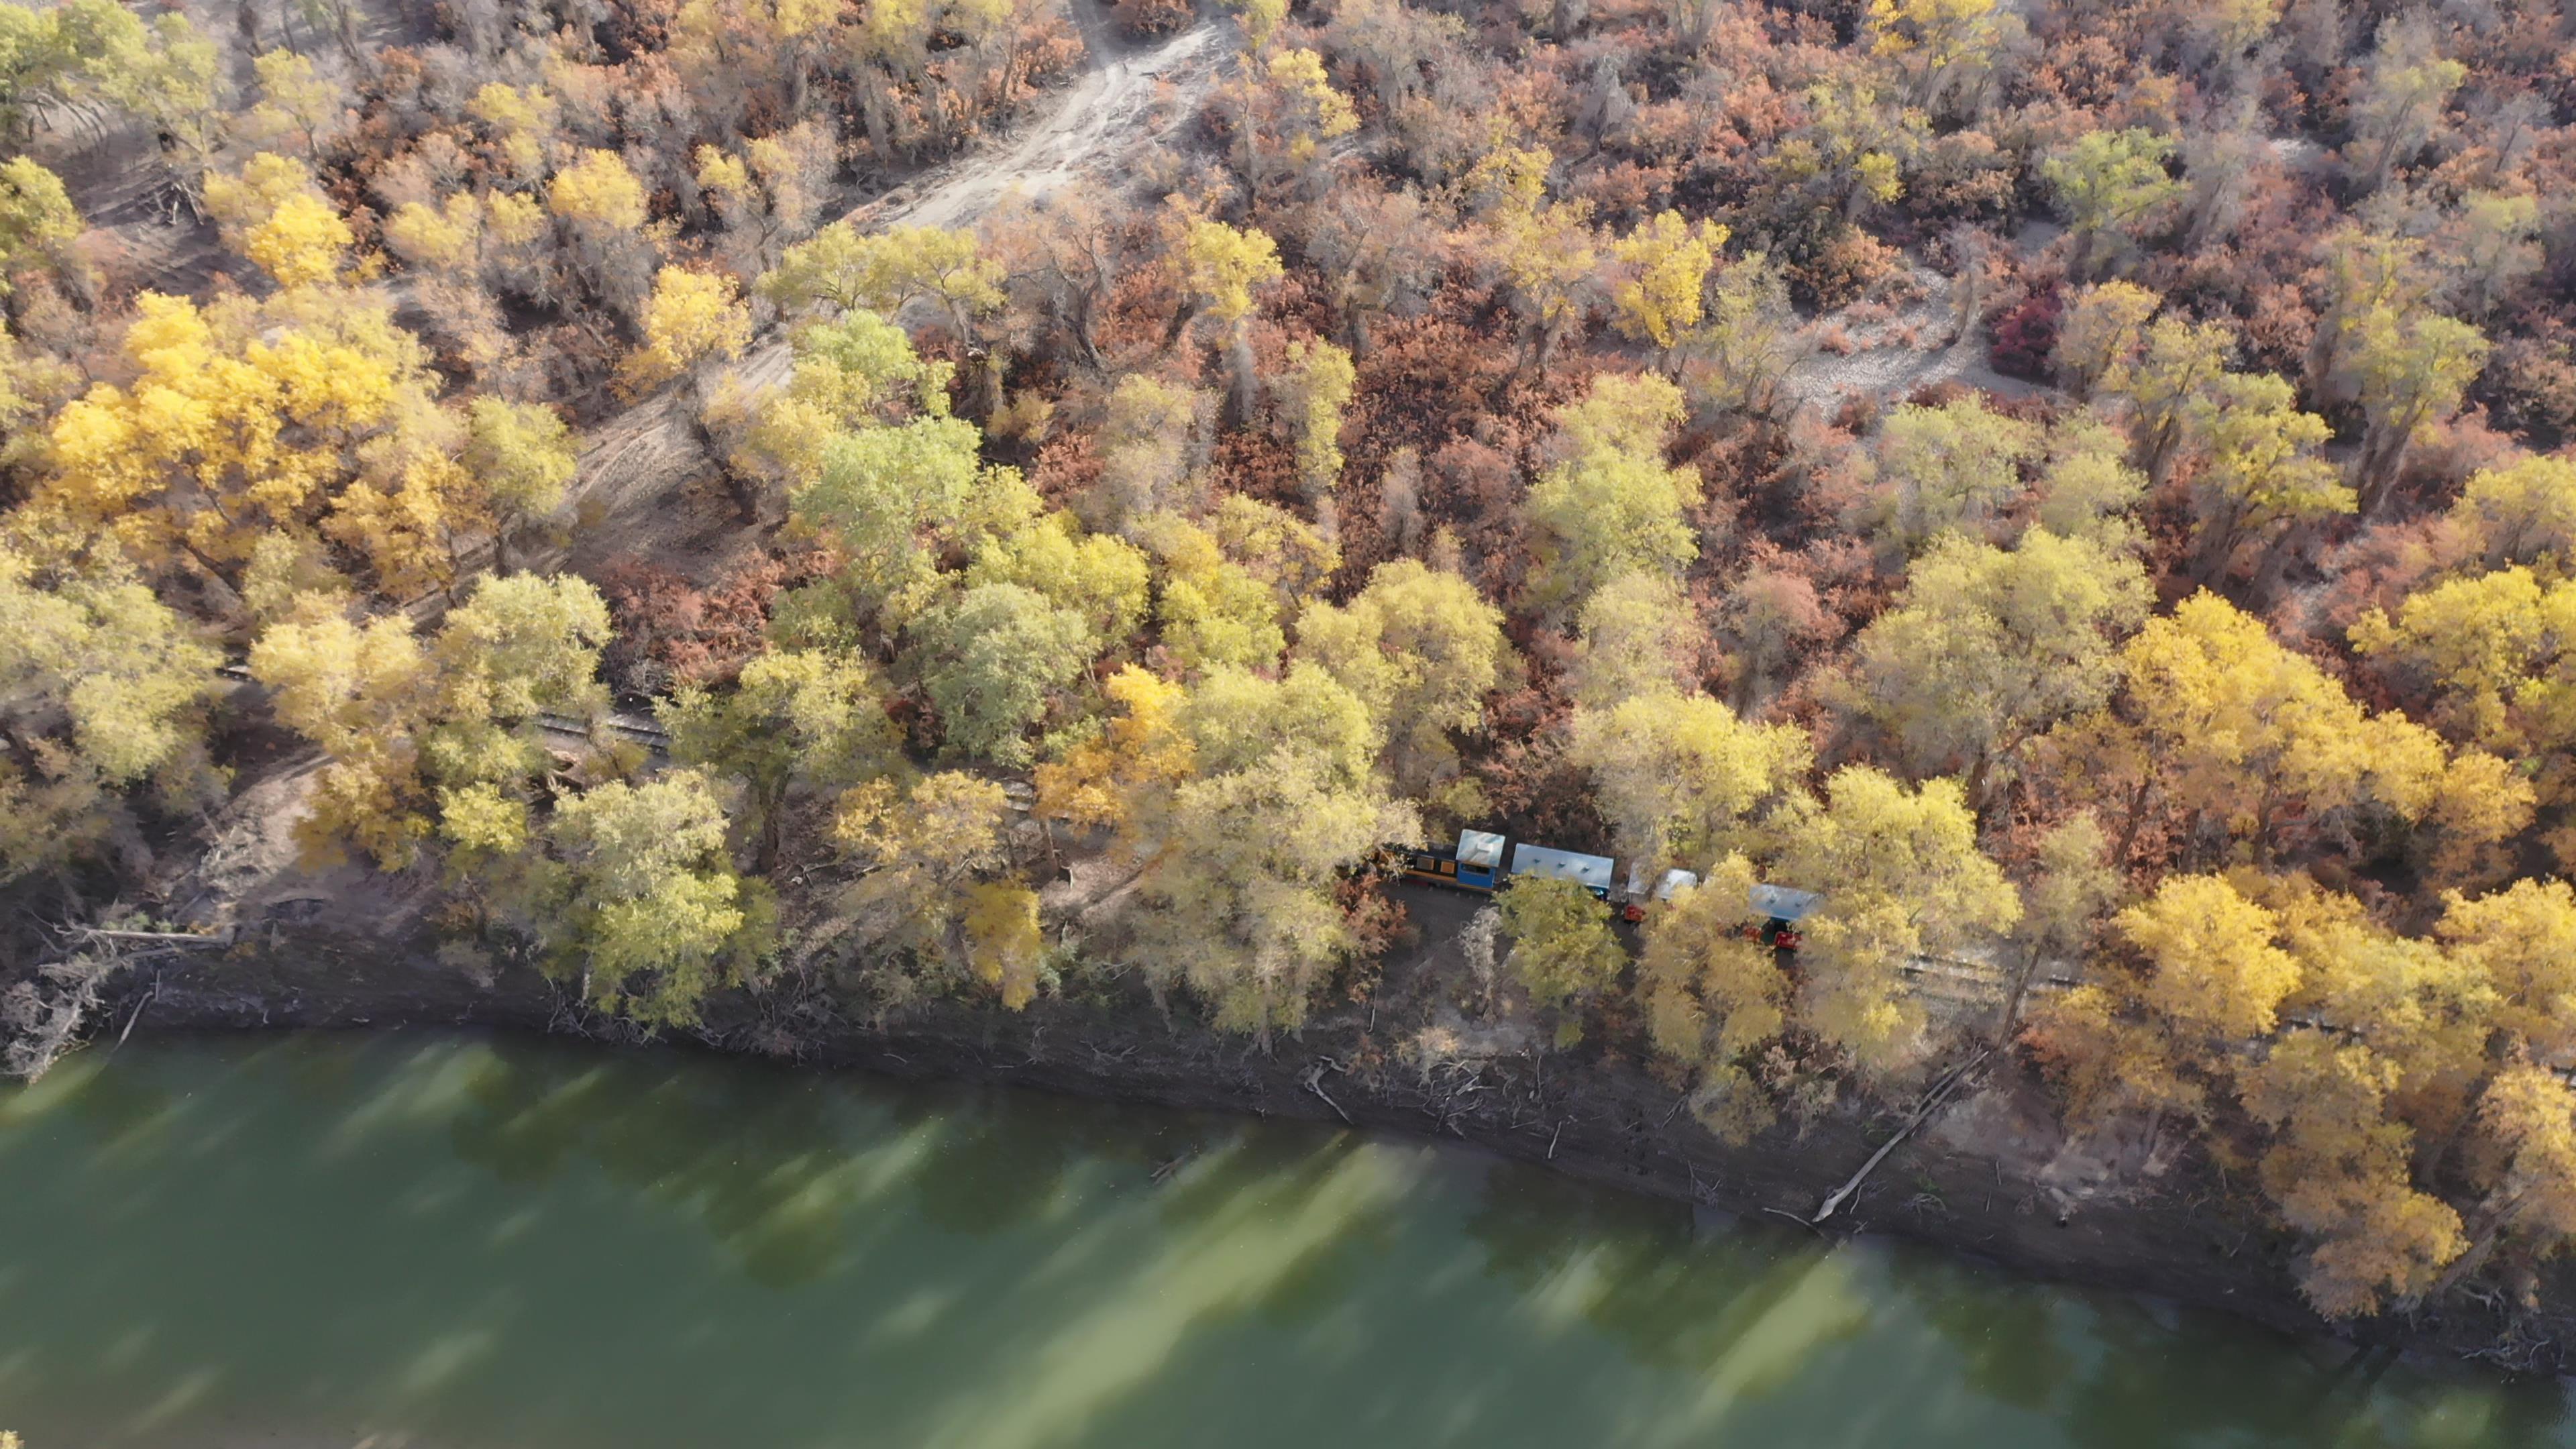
pixel 1483 860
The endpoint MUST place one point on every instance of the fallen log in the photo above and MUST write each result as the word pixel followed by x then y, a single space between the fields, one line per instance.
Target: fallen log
pixel 1923 1111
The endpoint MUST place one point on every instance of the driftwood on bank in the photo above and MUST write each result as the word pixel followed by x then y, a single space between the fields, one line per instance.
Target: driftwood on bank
pixel 41 1018
pixel 174 940
pixel 1921 1114
pixel 1314 1081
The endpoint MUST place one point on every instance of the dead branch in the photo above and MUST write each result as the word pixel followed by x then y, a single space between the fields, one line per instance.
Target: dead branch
pixel 1922 1113
pixel 1314 1081
pixel 149 998
pixel 42 1017
pixel 190 940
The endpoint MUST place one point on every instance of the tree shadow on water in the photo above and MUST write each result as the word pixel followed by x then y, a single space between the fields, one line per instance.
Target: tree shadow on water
pixel 2111 1372
pixel 1638 1272
pixel 781 1168
pixel 746 1156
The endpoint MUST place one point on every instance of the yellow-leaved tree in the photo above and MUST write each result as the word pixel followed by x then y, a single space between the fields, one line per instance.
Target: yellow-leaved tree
pixel 840 268
pixel 1547 251
pixel 601 205
pixel 1664 265
pixel 1243 897
pixel 1318 387
pixel 2237 737
pixel 2339 1168
pixel 1422 649
pixel 2523 1160
pixel 1221 265
pixel 2492 651
pixel 2200 978
pixel 1562 954
pixel 691 319
pixel 931 901
pixel 2522 512
pixel 1714 994
pixel 1988 648
pixel 226 433
pixel 37 220
pixel 858 371
pixel 307 415
pixel 1902 877
pixel 1287 96
pixel 1939 47
pixel 652 916
pixel 2343 1043
pixel 104 692
pixel 1611 505
pixel 1120 777
pixel 798 722
pixel 411 732
pixel 1679 777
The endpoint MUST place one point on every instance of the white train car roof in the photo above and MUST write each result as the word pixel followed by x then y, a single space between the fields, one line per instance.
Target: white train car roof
pixel 1593 871
pixel 1480 848
pixel 1783 903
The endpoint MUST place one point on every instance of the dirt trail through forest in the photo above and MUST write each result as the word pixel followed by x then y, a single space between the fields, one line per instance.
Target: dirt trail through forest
pixel 635 461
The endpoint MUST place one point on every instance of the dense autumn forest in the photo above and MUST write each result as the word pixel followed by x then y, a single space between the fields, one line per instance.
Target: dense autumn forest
pixel 764 495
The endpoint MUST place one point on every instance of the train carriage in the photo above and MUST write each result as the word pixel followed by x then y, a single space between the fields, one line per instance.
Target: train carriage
pixel 1592 872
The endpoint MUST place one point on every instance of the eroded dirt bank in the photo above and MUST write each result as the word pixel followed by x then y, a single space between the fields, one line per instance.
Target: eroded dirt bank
pixel 1989 1178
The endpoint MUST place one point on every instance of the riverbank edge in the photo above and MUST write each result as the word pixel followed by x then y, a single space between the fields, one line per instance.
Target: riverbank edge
pixel 2185 1242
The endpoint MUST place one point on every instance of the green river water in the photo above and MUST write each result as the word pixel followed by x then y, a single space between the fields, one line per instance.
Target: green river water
pixel 459 1242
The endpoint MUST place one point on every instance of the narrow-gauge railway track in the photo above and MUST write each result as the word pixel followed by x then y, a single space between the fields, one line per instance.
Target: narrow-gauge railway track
pixel 626 725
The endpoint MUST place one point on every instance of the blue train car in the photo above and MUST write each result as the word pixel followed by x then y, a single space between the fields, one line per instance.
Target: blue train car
pixel 1474 864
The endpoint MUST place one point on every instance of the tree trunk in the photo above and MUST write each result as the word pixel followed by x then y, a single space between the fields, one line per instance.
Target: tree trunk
pixel 1979 770
pixel 872 116
pixel 1181 318
pixel 2015 992
pixel 2378 466
pixel 1246 389
pixel 2217 546
pixel 1082 325
pixel 764 852
pixel 346 14
pixel 2468 1262
pixel 2162 439
pixel 989 379
pixel 2387 158
pixel 2275 562
pixel 2137 817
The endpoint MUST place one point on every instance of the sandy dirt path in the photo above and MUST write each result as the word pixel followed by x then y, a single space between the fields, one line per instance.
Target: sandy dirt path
pixel 1893 356
pixel 634 463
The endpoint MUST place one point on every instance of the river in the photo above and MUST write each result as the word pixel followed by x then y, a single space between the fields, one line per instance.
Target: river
pixel 436 1242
